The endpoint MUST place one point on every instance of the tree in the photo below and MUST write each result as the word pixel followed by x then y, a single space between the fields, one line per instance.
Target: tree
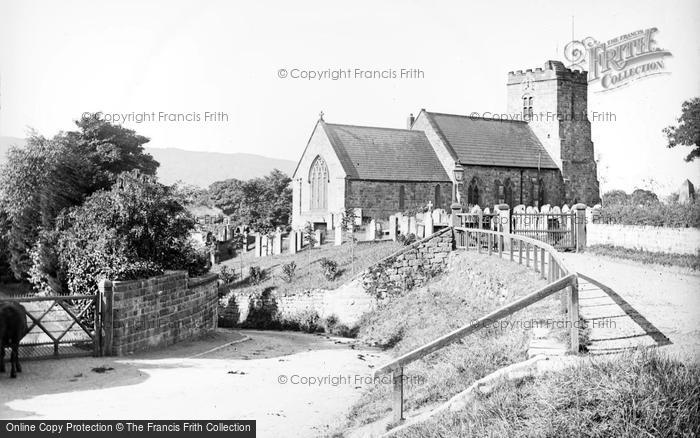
pixel 349 223
pixel 615 197
pixel 136 231
pixel 687 133
pixel 643 197
pixel 47 176
pixel 262 203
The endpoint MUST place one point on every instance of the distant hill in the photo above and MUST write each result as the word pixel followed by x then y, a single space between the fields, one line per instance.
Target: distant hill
pixel 198 168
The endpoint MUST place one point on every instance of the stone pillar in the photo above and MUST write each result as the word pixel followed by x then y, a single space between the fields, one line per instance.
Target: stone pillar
pixel 277 243
pixel 428 221
pixel 456 209
pixel 503 223
pixel 258 245
pixel 393 225
pixel 300 240
pixel 319 238
pixel 580 224
pixel 338 235
pixel 292 242
pixel 265 245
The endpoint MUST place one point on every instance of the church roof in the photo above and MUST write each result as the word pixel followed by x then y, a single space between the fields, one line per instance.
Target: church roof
pixel 385 154
pixel 490 142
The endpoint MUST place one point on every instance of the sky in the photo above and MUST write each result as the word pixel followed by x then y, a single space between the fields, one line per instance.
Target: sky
pixel 185 59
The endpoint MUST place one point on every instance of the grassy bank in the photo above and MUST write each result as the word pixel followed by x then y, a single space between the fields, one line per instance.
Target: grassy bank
pixel 647 257
pixel 309 273
pixel 638 394
pixel 473 286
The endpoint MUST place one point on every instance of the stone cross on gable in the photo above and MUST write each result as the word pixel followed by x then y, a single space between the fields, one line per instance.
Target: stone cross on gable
pixel 320 116
pixel 430 205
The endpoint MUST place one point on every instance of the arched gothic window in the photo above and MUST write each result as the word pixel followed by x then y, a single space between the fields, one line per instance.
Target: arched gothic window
pixel 473 193
pixel 437 202
pixel 500 193
pixel 318 178
pixel 541 195
pixel 402 198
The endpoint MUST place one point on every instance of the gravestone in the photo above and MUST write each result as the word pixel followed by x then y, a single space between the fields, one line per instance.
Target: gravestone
pixel 292 242
pixel 338 235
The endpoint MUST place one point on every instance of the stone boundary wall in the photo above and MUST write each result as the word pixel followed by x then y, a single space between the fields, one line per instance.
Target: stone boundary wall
pixel 350 301
pixel 644 237
pixel 144 314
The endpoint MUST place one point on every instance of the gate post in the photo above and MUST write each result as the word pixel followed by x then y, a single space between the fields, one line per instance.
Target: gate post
pixel 580 225
pixel 106 297
pixel 503 223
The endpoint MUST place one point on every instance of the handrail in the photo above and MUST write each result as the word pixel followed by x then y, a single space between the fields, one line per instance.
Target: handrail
pixel 560 279
pixel 475 326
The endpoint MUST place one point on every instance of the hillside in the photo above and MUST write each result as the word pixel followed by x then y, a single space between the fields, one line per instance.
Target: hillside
pixel 198 168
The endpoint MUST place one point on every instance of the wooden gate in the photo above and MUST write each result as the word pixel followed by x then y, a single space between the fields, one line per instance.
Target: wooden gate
pixel 556 229
pixel 60 325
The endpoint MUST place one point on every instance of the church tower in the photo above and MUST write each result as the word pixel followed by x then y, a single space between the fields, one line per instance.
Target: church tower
pixel 554 101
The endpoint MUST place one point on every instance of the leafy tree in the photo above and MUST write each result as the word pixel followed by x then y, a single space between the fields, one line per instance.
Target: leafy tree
pixel 643 197
pixel 615 197
pixel 47 176
pixel 120 234
pixel 349 224
pixel 262 203
pixel 687 133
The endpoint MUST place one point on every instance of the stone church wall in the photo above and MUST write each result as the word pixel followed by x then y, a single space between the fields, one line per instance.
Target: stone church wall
pixel 486 182
pixel 380 199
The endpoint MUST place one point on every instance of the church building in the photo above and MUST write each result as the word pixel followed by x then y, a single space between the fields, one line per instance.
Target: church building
pixel 544 155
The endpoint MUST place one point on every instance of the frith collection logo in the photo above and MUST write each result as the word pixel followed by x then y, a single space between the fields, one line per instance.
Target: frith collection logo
pixel 620 61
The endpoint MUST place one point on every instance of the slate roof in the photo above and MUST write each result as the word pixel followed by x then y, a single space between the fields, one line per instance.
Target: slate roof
pixel 491 142
pixel 370 153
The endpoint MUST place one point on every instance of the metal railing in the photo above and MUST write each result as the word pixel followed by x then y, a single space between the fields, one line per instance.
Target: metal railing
pixel 545 260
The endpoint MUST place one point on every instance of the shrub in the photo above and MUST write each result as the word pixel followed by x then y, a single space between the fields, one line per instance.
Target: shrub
pixel 227 275
pixel 134 231
pixel 330 268
pixel 256 274
pixel 306 320
pixel 289 271
pixel 406 239
pixel 332 326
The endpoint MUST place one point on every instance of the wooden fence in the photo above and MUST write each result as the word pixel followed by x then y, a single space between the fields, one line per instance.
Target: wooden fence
pixel 535 254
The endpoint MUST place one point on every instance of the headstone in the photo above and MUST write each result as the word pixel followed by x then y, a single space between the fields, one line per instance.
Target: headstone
pixel 412 227
pixel 686 193
pixel 292 242
pixel 265 245
pixel 258 245
pixel 403 224
pixel 319 238
pixel 358 216
pixel 393 227
pixel 338 235
pixel 277 243
pixel 371 230
pixel 428 221
pixel 545 208
pixel 245 242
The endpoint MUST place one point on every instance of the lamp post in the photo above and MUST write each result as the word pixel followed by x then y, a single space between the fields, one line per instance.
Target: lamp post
pixel 458 173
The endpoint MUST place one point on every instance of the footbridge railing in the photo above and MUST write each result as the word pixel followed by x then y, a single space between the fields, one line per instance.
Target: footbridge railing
pixel 535 254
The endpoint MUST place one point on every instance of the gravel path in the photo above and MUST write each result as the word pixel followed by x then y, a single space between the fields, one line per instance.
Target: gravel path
pixel 241 381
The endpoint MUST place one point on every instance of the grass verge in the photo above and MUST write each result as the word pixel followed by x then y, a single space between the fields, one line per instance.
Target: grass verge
pixel 647 257
pixel 472 286
pixel 644 393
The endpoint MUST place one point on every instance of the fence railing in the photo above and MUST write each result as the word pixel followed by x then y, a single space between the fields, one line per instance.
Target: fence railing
pixel 557 229
pixel 545 260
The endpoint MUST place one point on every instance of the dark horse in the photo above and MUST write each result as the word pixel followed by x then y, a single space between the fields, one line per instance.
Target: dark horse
pixel 13 327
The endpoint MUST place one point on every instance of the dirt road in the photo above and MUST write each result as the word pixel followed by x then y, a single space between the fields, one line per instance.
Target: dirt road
pixel 293 384
pixel 668 297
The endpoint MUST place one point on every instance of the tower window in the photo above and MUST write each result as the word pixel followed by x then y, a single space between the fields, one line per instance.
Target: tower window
pixel 527 107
